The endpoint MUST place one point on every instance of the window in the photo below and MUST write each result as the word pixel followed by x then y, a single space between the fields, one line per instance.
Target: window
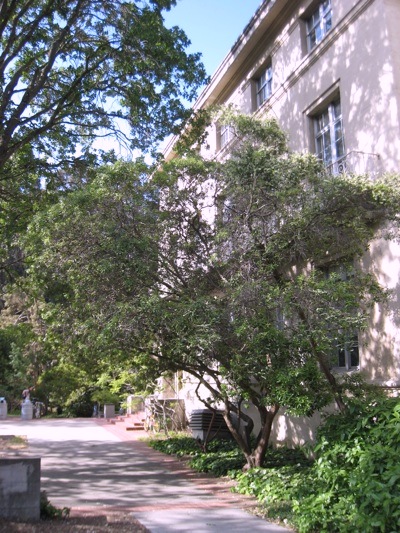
pixel 329 141
pixel 346 353
pixel 264 86
pixel 226 134
pixel 319 24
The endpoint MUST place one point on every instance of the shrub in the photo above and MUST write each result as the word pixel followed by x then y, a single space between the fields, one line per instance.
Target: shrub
pixel 357 473
pixel 48 511
pixel 221 456
pixel 354 483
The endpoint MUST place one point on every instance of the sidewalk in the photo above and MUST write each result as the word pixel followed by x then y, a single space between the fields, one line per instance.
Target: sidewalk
pixel 92 466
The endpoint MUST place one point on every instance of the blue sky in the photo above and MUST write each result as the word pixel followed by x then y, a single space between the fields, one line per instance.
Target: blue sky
pixel 212 25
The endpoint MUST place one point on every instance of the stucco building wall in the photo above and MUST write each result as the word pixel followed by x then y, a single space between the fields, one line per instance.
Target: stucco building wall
pixel 357 61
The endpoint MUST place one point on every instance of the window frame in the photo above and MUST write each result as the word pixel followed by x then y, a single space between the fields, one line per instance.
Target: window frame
pixel 328 133
pixel 342 357
pixel 225 135
pixel 263 84
pixel 318 24
pixel 348 347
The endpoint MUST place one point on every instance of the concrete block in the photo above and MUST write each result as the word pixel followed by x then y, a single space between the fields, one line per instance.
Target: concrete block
pixel 20 488
pixel 109 410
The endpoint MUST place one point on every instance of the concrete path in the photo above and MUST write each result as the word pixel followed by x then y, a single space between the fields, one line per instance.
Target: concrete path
pixel 89 464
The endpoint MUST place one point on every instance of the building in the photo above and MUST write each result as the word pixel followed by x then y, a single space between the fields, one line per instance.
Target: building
pixel 329 71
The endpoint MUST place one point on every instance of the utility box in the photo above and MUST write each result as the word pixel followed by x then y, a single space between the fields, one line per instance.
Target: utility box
pixel 109 410
pixel 3 408
pixel 20 488
pixel 206 425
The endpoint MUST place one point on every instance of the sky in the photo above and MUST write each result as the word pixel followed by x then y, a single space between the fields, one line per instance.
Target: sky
pixel 212 25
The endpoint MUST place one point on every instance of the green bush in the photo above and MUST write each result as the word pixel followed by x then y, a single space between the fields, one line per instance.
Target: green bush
pixel 357 473
pixel 354 483
pixel 222 456
pixel 48 511
pixel 180 445
pixel 218 463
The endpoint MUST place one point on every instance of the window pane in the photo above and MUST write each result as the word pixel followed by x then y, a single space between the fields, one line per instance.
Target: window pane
pixel 341 357
pixel 354 352
pixel 225 135
pixel 337 109
pixel 319 24
pixel 329 138
pixel 339 144
pixel 264 86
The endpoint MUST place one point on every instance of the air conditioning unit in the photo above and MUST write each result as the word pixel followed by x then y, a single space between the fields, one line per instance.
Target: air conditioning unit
pixel 206 425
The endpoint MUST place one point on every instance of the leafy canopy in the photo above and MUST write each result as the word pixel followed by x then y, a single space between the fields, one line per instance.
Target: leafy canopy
pixel 233 279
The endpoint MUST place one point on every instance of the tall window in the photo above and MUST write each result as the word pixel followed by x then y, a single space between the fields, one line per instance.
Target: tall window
pixel 264 86
pixel 226 134
pixel 345 347
pixel 329 141
pixel 346 353
pixel 319 24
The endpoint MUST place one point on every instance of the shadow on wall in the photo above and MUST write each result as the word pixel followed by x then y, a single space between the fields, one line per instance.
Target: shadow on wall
pixel 293 431
pixel 380 343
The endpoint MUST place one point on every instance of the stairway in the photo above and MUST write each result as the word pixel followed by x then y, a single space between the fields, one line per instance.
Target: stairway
pixel 133 422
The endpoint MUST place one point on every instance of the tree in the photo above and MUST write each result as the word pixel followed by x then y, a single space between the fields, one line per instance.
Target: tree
pixel 90 257
pixel 263 302
pixel 70 71
pixel 233 279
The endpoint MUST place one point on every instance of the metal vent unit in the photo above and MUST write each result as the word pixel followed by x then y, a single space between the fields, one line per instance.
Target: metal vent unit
pixel 206 424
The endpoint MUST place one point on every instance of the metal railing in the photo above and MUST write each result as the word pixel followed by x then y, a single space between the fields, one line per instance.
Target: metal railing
pixel 356 162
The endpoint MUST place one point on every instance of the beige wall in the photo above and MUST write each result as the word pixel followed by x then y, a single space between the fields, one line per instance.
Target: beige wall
pixel 360 59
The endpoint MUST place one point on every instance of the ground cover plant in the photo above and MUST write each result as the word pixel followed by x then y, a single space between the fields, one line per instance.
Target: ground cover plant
pixel 223 457
pixel 353 484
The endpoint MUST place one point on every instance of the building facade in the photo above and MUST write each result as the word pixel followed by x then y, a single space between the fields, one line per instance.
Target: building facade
pixel 329 72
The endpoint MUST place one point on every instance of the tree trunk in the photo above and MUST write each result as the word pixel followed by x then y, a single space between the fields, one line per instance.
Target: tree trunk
pixel 258 454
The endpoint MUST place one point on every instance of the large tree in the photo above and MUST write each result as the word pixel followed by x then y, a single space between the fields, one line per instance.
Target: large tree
pixel 70 70
pixel 236 279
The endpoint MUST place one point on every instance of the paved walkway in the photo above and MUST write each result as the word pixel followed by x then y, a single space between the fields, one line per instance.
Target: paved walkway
pixel 91 465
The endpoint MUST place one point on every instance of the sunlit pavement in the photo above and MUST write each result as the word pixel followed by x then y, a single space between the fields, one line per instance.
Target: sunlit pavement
pixel 89 463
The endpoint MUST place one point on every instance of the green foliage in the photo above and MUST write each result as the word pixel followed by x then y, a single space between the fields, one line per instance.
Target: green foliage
pixel 103 396
pixel 224 270
pixel 101 52
pixel 358 471
pixel 276 487
pixel 48 511
pixel 218 464
pixel 79 404
pixel 353 485
pixel 222 455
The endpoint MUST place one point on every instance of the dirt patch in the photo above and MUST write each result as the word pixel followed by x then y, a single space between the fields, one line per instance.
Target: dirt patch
pixel 13 442
pixel 87 522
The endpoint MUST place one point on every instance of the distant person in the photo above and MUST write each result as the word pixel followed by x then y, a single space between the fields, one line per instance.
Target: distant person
pixel 26 394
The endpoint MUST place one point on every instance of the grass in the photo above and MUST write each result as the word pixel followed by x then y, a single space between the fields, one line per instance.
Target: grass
pixel 13 442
